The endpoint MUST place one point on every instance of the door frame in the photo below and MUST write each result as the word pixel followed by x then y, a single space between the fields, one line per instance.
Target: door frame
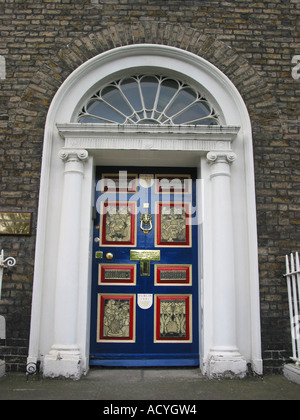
pixel 81 147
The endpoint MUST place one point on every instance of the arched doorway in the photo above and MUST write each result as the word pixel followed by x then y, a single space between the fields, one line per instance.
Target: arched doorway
pixel 222 153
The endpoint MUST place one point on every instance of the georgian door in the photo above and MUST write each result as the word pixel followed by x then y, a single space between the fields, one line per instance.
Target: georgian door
pixel 144 309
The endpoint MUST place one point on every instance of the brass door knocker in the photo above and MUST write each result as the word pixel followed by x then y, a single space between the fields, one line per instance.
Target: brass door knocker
pixel 146 223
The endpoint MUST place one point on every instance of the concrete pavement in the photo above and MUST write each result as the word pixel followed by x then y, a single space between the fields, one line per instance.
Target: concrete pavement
pixel 147 384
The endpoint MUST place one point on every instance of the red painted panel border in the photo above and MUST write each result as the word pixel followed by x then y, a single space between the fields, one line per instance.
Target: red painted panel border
pixel 159 269
pixel 119 224
pixel 165 322
pixel 118 183
pixel 113 325
pixel 131 280
pixel 159 241
pixel 173 184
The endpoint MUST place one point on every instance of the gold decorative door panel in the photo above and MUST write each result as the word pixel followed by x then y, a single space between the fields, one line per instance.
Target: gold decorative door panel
pixel 118 224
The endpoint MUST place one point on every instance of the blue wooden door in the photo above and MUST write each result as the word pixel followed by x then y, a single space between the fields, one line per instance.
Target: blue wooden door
pixel 144 309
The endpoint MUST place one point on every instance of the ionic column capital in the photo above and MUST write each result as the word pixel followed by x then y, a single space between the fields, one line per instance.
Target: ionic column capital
pixel 77 155
pixel 74 160
pixel 221 157
pixel 220 163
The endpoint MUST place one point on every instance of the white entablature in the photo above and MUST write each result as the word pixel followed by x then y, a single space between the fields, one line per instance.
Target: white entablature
pixel 134 137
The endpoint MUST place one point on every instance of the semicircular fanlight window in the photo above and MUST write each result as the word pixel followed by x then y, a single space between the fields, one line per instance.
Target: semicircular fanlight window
pixel 148 99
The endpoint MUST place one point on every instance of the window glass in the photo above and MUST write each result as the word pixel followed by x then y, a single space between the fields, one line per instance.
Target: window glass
pixel 168 90
pixel 149 86
pixel 145 99
pixel 130 89
pixel 113 97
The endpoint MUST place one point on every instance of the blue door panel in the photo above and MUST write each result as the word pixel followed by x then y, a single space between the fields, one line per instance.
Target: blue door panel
pixel 146 350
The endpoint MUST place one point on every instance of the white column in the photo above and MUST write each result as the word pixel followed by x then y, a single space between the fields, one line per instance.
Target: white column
pixel 224 358
pixel 64 357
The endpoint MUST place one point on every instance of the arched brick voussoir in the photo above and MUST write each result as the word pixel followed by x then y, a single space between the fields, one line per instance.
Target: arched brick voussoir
pixel 50 75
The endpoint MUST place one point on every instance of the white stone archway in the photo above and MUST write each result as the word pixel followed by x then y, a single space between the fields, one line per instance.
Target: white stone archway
pixel 230 316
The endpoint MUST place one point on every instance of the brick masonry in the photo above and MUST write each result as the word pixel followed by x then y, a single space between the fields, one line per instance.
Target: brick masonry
pixel 252 42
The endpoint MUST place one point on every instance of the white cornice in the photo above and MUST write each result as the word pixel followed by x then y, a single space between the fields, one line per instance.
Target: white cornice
pixel 147 137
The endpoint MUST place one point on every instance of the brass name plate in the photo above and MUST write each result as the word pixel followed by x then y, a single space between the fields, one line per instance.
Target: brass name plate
pixel 144 255
pixel 15 223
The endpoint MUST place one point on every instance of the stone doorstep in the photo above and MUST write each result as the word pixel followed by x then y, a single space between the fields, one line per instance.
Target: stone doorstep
pixel 292 373
pixel 2 368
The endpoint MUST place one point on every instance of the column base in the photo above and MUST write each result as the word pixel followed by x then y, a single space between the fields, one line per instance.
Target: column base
pixel 226 364
pixel 292 373
pixel 63 361
pixel 2 368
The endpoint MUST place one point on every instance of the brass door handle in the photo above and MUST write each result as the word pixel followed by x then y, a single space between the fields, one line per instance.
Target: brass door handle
pixel 146 220
pixel 109 256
